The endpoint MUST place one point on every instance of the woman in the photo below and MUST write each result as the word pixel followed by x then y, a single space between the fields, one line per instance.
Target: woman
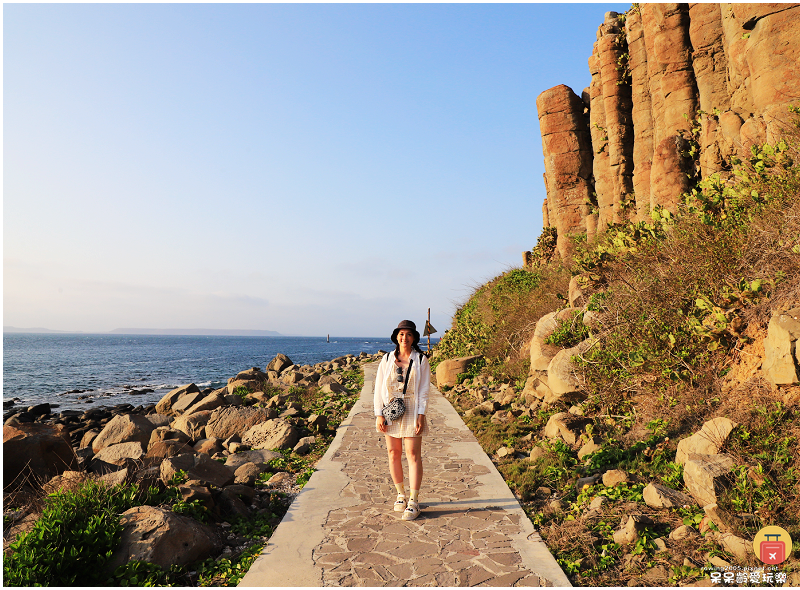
pixel 405 367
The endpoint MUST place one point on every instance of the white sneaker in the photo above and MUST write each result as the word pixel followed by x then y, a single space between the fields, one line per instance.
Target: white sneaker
pixel 411 511
pixel 400 504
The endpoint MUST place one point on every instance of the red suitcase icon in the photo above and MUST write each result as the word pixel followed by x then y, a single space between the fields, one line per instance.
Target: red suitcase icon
pixel 773 552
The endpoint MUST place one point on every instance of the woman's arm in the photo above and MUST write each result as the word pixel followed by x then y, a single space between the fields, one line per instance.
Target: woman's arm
pixel 424 384
pixel 380 385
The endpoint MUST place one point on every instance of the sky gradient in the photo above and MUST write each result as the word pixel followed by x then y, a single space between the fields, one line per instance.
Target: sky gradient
pixel 308 169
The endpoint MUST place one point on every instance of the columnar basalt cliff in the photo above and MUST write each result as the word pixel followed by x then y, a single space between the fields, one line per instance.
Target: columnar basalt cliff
pixel 676 91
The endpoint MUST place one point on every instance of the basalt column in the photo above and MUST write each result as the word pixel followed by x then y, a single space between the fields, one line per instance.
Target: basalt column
pixel 603 202
pixel 611 51
pixel 710 71
pixel 675 93
pixel 641 114
pixel 567 162
pixel 771 50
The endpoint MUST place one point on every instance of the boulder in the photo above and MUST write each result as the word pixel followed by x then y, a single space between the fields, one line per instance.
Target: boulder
pixel 318 422
pixel 566 425
pixel 564 378
pixel 124 428
pixel 542 353
pixel 212 401
pixel 88 438
pixel 35 450
pixel 259 457
pixel 613 477
pixel 164 406
pixel 279 363
pixel 272 434
pixel 119 477
pixel 209 446
pixel 247 474
pixel 741 549
pixel 333 387
pixel 162 537
pixel 683 532
pixel 117 455
pixel 591 446
pixel 167 448
pixel 707 441
pixel 167 433
pixel 705 475
pixel 158 420
pixel 226 422
pixel 629 533
pixel 658 496
pixel 200 467
pixel 187 401
pixel 781 348
pixel 67 480
pixel 193 425
pixel 448 371
pixel 304 445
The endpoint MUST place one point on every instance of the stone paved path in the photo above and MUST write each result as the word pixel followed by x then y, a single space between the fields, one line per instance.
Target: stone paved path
pixel 341 530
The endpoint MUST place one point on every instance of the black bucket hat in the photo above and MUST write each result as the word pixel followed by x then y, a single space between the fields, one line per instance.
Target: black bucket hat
pixel 406 325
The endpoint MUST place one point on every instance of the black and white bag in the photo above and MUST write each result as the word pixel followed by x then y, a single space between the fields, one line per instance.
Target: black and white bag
pixel 395 409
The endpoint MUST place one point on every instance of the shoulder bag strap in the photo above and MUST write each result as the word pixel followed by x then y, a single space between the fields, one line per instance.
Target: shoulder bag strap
pixel 408 374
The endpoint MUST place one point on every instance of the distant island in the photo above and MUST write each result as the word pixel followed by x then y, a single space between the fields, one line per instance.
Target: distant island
pixel 15 330
pixel 194 332
pixel 149 331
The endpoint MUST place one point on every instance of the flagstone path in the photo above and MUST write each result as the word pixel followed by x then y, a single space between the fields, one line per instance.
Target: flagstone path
pixel 341 529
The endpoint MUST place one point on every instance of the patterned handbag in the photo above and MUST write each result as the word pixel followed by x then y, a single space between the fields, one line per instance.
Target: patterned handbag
pixel 395 409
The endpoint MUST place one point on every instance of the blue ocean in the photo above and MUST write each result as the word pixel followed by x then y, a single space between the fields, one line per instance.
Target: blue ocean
pixel 79 371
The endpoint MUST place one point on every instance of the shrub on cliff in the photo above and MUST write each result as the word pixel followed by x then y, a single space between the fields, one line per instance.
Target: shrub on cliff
pixel 498 319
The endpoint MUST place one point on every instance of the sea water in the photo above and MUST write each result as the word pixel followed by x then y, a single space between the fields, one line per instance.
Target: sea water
pixel 79 371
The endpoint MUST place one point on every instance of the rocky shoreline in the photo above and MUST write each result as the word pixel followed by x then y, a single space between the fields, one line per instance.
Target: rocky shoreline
pixel 236 452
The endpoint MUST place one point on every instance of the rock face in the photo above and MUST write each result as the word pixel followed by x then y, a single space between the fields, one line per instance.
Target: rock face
pixel 567 163
pixel 160 536
pixel 733 68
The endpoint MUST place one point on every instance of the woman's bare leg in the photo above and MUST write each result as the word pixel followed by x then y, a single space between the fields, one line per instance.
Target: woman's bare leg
pixel 414 455
pixel 395 448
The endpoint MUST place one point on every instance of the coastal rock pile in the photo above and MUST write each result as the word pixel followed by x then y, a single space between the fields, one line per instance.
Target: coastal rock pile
pixel 677 90
pixel 218 442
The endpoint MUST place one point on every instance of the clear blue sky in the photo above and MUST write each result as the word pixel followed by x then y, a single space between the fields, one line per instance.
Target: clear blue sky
pixel 309 169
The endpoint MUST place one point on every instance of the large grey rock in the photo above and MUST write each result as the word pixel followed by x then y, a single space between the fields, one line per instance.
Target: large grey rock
pixel 193 425
pixel 564 378
pixel 707 441
pixel 541 353
pixel 629 533
pixel 186 402
pixel 37 450
pixel 448 371
pixel 741 549
pixel 212 401
pixel 705 476
pixel 118 454
pixel 227 421
pixel 567 426
pixel 201 467
pixel 167 433
pixel 124 428
pixel 247 474
pixel 166 448
pixel 164 406
pixel 279 363
pixel 160 536
pixel 658 496
pixel 259 457
pixel 781 351
pixel 272 434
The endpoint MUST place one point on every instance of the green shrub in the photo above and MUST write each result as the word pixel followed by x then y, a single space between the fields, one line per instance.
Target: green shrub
pixel 73 540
